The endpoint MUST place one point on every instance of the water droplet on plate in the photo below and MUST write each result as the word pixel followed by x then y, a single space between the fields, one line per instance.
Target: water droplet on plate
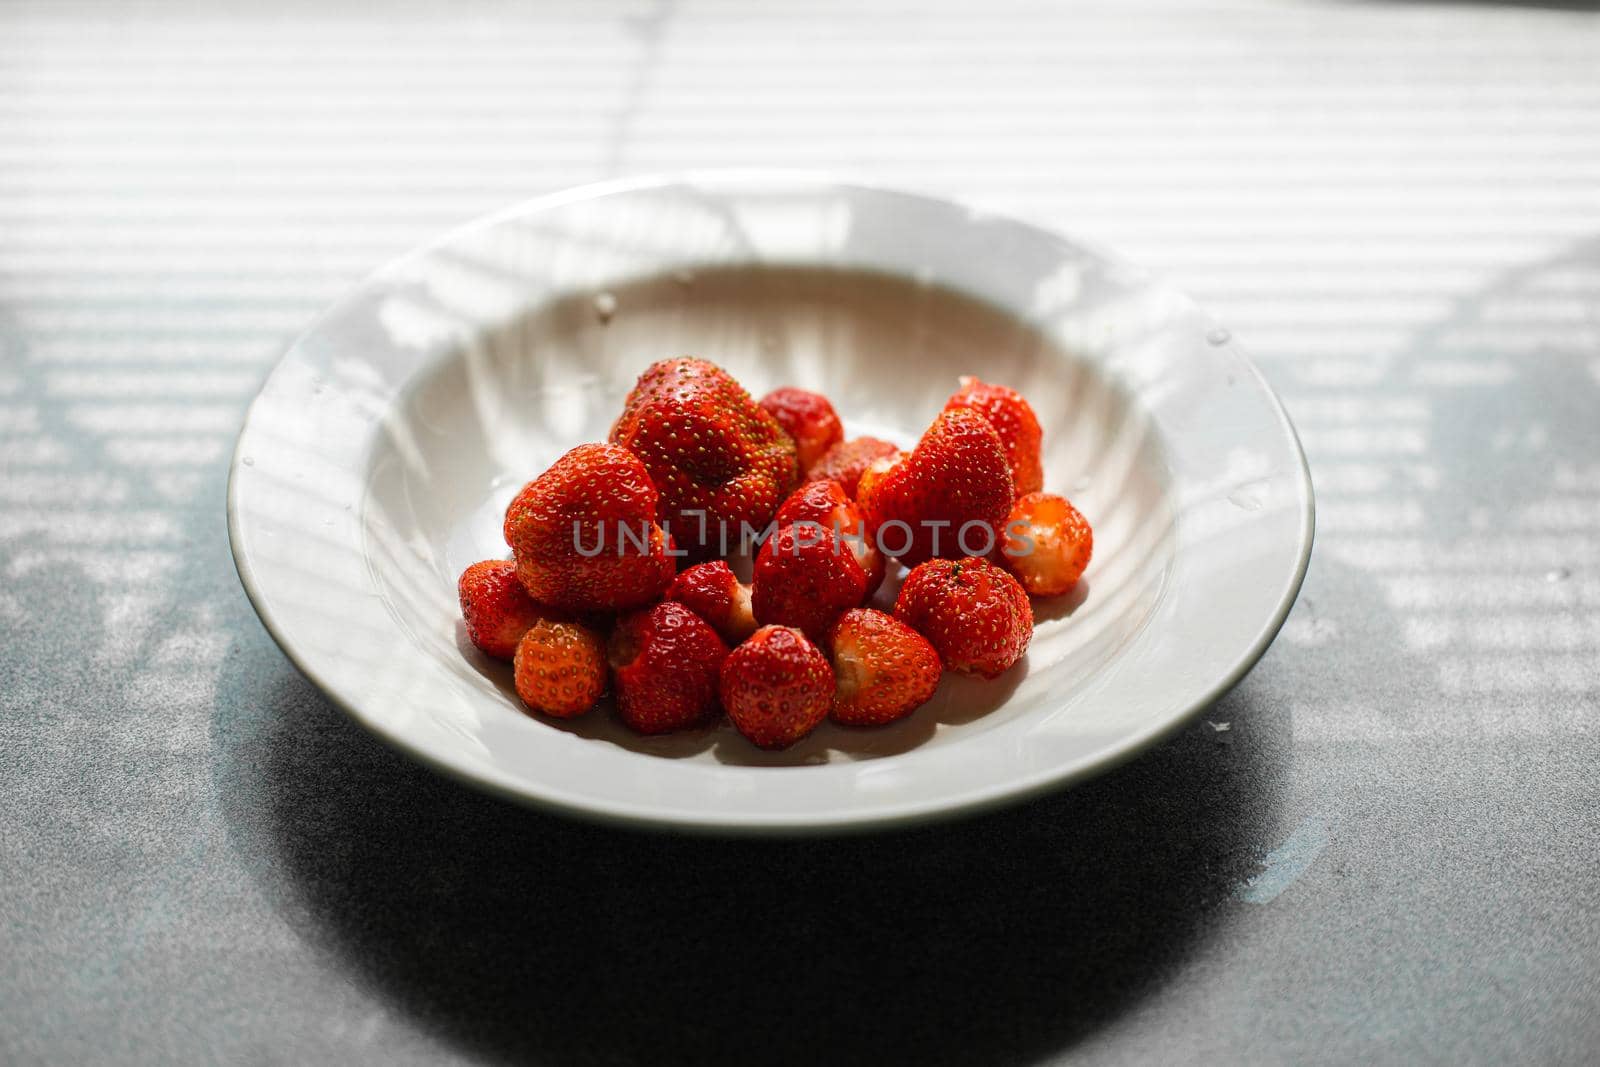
pixel 249 461
pixel 1559 574
pixel 1250 496
pixel 1219 336
pixel 605 306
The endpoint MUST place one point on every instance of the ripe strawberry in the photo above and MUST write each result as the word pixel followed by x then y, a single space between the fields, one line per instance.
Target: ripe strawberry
pixel 825 504
pixel 1048 544
pixel 973 612
pixel 497 609
pixel 805 577
pixel 776 687
pixel 1013 419
pixel 884 669
pixel 846 461
pixel 560 668
pixel 957 479
pixel 808 418
pixel 718 458
pixel 714 592
pixel 665 659
pixel 585 535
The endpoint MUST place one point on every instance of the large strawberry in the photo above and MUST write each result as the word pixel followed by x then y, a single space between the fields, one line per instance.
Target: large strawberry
pixel 806 578
pixel 497 609
pixel 807 417
pixel 974 613
pixel 585 534
pixel 1013 419
pixel 1052 546
pixel 720 461
pixel 949 497
pixel 846 461
pixel 824 503
pixel 665 660
pixel 776 687
pixel 883 669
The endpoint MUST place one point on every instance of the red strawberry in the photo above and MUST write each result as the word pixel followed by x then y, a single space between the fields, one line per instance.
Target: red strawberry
pixel 808 418
pixel 845 462
pixel 884 669
pixel 585 536
pixel 714 592
pixel 776 687
pixel 805 577
pixel 497 609
pixel 975 614
pixel 561 668
pixel 1013 419
pixel 665 660
pixel 825 504
pixel 718 459
pixel 1048 544
pixel 949 497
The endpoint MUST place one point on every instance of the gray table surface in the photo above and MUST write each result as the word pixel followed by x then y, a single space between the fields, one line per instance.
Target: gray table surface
pixel 1389 855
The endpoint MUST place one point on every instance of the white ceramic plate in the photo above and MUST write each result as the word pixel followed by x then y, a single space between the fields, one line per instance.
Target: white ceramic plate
pixel 377 461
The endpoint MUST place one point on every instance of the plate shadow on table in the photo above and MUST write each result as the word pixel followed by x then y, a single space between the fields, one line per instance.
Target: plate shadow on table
pixel 525 937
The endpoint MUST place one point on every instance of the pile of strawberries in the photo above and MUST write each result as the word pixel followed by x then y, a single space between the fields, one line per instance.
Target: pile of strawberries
pixel 594 597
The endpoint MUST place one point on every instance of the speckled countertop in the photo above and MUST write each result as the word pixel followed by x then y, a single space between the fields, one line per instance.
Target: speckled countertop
pixel 1389 853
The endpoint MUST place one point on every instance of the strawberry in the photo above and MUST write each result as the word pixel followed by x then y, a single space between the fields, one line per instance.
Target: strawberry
pixel 1048 544
pixel 806 578
pixel 883 669
pixel 973 612
pixel 665 660
pixel 718 458
pixel 1013 419
pixel 808 418
pixel 497 609
pixel 560 668
pixel 949 497
pixel 846 461
pixel 825 504
pixel 714 592
pixel 585 535
pixel 776 687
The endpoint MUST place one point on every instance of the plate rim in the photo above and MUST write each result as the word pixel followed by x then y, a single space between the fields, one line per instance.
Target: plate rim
pixel 906 814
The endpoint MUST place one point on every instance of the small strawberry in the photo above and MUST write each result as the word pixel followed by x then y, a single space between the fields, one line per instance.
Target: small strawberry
pixel 776 687
pixel 808 418
pixel 949 497
pixel 665 660
pixel 846 461
pixel 884 669
pixel 585 535
pixel 714 592
pixel 561 668
pixel 1013 419
pixel 825 504
pixel 718 458
pixel 973 612
pixel 1048 544
pixel 497 609
pixel 806 578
